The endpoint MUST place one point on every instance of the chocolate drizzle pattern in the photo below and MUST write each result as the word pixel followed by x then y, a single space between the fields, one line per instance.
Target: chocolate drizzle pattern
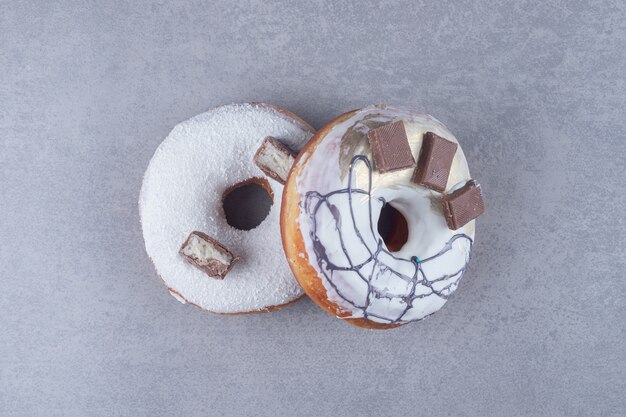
pixel 414 286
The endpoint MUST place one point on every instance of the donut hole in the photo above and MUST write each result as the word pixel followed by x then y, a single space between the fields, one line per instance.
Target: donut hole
pixel 393 228
pixel 247 203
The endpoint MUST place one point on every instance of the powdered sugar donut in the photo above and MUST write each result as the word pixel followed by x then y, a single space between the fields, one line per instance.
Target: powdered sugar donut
pixel 332 206
pixel 182 192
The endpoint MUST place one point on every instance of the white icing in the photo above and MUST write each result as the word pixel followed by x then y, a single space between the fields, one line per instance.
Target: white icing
pixel 277 161
pixel 182 192
pixel 458 186
pixel 428 231
pixel 204 251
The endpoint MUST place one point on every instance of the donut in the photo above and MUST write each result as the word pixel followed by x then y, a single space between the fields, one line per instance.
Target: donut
pixel 339 194
pixel 184 195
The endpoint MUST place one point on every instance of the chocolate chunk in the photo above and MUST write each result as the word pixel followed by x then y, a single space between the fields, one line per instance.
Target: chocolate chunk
pixel 274 159
pixel 390 147
pixel 208 255
pixel 434 163
pixel 463 205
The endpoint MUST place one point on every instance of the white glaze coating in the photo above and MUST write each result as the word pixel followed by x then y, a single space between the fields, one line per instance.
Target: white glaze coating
pixel 182 192
pixel 375 289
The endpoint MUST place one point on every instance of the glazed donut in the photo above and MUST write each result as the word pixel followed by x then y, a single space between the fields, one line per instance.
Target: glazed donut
pixel 332 203
pixel 201 161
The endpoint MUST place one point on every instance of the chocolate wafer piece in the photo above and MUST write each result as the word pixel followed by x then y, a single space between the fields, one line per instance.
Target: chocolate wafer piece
pixel 463 205
pixel 434 163
pixel 274 159
pixel 390 147
pixel 208 255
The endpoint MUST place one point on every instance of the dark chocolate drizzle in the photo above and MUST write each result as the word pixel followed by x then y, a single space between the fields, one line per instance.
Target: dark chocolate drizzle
pixel 314 200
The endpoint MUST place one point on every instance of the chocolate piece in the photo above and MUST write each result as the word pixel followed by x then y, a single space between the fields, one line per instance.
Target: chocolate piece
pixel 434 163
pixel 463 205
pixel 390 147
pixel 274 159
pixel 208 255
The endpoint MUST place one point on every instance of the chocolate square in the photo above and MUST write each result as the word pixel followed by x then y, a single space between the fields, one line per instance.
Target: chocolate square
pixel 208 255
pixel 274 159
pixel 463 205
pixel 390 147
pixel 434 163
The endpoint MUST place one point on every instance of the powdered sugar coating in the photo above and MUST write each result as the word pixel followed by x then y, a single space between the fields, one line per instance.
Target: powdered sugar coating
pixel 182 192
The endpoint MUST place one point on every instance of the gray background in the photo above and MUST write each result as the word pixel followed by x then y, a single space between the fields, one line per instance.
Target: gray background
pixel 536 93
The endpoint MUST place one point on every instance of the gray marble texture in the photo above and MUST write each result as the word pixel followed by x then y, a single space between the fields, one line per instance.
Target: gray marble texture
pixel 534 90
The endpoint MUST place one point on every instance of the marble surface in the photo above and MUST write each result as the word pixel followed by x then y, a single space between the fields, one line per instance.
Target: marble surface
pixel 535 91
